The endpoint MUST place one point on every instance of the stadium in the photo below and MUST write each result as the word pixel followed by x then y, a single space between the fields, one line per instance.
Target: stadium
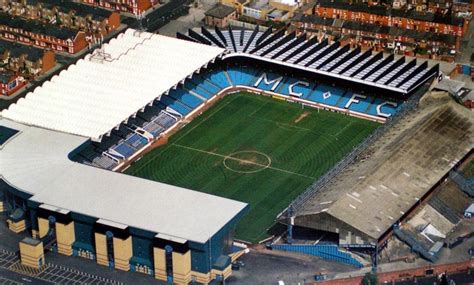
pixel 153 154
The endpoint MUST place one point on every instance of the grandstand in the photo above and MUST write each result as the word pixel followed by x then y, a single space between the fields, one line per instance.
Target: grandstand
pixel 103 107
pixel 364 201
pixel 116 103
pixel 328 60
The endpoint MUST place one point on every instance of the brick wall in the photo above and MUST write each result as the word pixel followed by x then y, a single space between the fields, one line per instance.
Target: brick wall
pixel 407 273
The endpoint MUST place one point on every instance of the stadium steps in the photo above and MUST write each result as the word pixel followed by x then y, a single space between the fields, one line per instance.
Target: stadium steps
pixel 104 162
pixel 254 76
pixel 153 128
pixel 196 95
pixel 326 251
pixel 341 98
pixel 185 98
pixel 282 85
pixel 205 86
pixel 88 153
pixel 366 111
pixel 208 91
pixel 310 93
pixel 213 84
pixel 444 210
pixel 228 78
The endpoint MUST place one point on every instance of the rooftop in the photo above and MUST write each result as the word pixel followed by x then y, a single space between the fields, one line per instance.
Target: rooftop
pixel 220 11
pixel 76 8
pixel 37 27
pixel 328 59
pixel 39 165
pixel 259 4
pixel 383 11
pixel 16 50
pixel 374 193
pixel 104 89
pixel 373 28
pixel 5 77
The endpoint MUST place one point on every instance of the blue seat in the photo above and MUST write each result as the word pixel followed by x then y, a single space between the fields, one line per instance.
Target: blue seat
pixel 124 150
pixel 248 76
pixel 153 128
pixel 299 88
pixel 388 109
pixel 332 94
pixel 344 99
pixel 268 87
pixel 210 88
pixel 136 141
pixel 219 79
pixel 175 105
pixel 362 106
pixel 165 120
pixel 198 90
pixel 235 76
pixel 186 98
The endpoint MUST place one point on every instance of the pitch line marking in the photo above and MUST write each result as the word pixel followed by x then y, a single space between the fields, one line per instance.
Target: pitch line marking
pixel 182 136
pixel 245 161
pixel 230 156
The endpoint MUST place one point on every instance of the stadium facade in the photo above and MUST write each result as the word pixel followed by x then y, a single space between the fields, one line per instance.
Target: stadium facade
pixel 109 107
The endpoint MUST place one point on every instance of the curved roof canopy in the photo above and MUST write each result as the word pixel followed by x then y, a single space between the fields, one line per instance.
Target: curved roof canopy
pixel 105 88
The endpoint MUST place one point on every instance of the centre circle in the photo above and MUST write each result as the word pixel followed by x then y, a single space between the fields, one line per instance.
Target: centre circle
pixel 247 161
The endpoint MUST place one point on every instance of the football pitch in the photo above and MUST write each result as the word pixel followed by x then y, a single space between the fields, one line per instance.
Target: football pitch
pixel 254 149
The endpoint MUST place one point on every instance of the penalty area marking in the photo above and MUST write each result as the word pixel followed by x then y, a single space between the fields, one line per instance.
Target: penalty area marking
pixel 225 156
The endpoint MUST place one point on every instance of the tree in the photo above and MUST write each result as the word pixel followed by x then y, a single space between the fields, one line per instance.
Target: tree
pixel 370 278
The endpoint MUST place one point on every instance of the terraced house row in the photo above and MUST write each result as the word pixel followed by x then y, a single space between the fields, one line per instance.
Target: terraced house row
pixel 429 31
pixel 53 24
pixel 19 63
pixel 130 6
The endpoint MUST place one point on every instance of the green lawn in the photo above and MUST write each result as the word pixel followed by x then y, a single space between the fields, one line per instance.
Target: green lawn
pixel 254 149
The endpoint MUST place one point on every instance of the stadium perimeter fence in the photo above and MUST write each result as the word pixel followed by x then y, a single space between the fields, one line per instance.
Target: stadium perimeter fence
pixel 313 189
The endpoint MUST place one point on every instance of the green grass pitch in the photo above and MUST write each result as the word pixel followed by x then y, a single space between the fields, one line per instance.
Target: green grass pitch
pixel 254 149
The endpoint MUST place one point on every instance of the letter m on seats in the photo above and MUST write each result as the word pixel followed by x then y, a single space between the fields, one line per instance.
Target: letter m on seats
pixel 264 77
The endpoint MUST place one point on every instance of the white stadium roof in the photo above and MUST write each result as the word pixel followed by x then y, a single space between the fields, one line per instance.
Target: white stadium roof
pixel 102 90
pixel 36 162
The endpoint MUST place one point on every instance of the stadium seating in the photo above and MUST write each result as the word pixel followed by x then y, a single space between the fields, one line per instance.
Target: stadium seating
pixel 105 162
pixel 187 99
pixel 153 128
pixel 328 252
pixel 360 107
pixel 175 105
pixel 219 79
pixel 155 119
pixel 192 87
pixel 298 88
pixel 125 150
pixel 326 95
pixel 136 141
pixel 165 120
pixel 386 109
pixel 242 76
pixel 268 87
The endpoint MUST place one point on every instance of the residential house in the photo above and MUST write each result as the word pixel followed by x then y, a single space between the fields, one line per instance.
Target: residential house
pixel 10 83
pixel 129 6
pixel 29 61
pixel 220 15
pixel 43 35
